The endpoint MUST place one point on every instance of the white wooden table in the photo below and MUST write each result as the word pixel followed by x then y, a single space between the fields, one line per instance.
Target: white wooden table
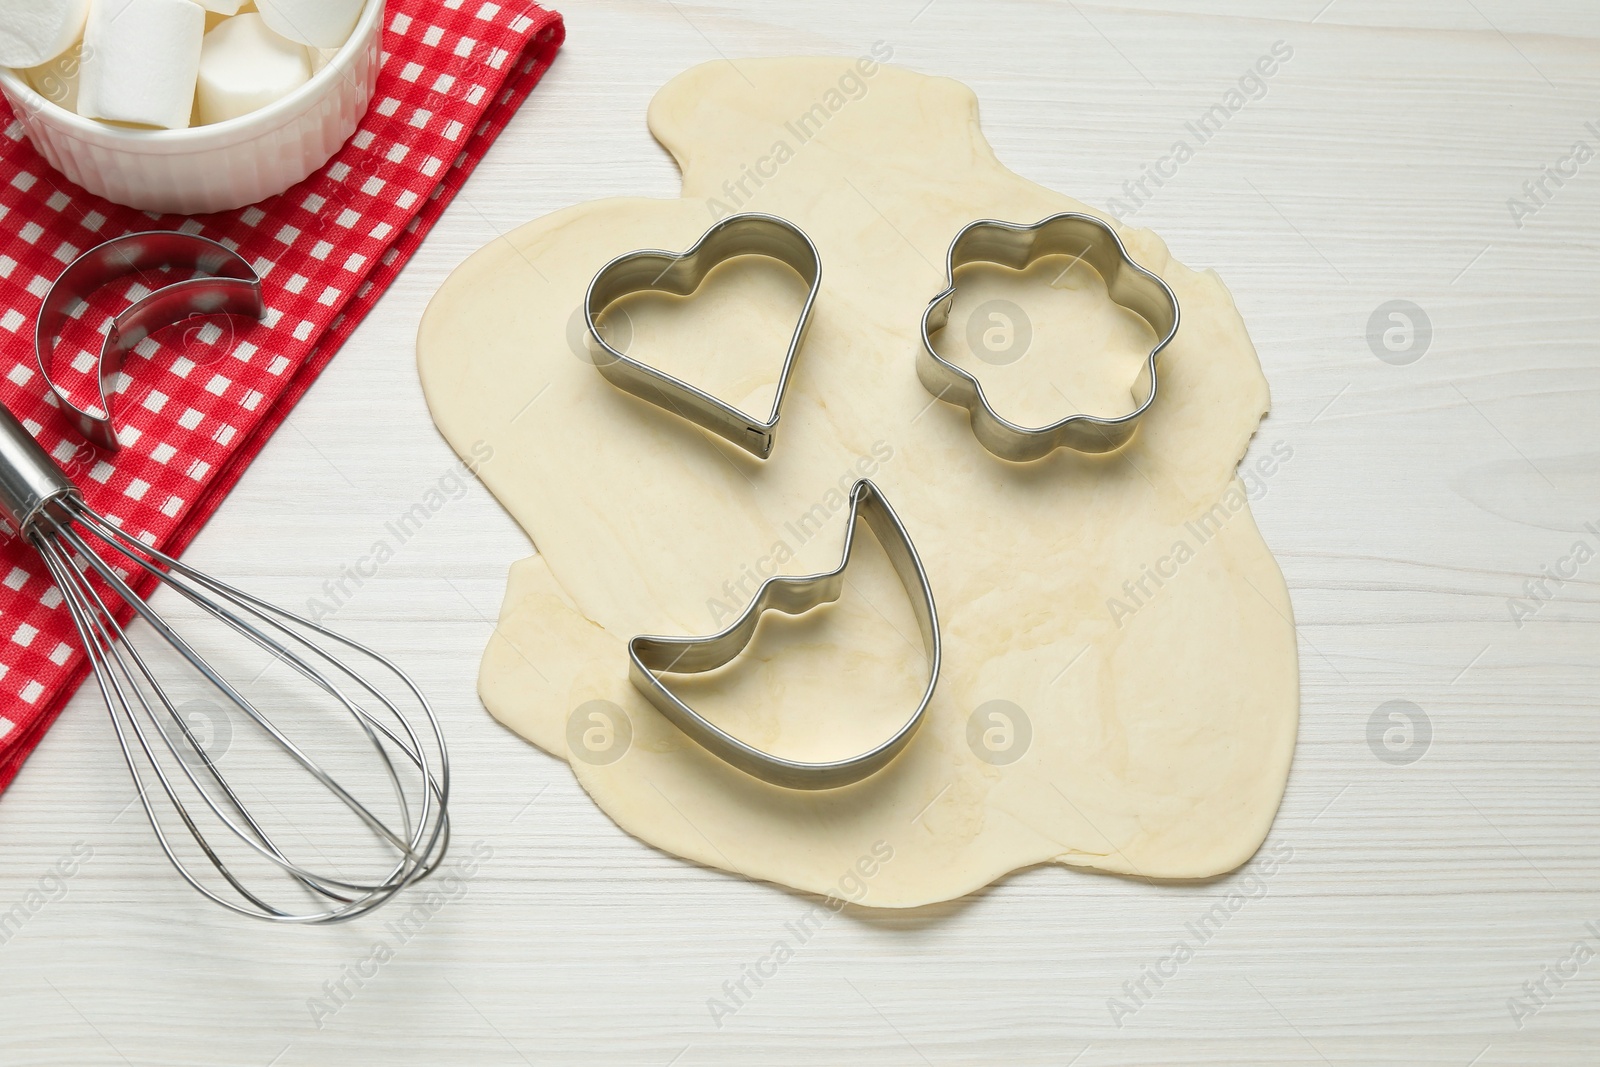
pixel 1431 480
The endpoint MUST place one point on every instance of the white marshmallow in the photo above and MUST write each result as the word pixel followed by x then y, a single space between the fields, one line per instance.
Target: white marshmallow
pixel 140 61
pixel 320 57
pixel 57 80
pixel 36 31
pixel 319 23
pixel 245 66
pixel 223 7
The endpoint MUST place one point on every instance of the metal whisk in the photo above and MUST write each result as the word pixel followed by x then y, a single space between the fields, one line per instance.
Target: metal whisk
pixel 328 682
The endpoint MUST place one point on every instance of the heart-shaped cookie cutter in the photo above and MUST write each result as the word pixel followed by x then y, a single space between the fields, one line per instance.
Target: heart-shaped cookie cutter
pixel 681 273
pixel 794 595
pixel 228 286
pixel 1083 237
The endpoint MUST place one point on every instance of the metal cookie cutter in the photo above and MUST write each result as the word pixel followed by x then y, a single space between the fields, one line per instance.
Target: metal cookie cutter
pixel 681 273
pixel 793 595
pixel 229 286
pixel 1070 233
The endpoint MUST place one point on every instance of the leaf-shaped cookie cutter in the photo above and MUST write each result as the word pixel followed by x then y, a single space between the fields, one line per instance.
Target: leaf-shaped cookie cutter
pixel 681 273
pixel 794 595
pixel 228 286
pixel 1017 246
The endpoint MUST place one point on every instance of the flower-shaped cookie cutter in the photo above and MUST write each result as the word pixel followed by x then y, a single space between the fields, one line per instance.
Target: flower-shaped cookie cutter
pixel 1016 246
pixel 226 285
pixel 649 657
pixel 681 273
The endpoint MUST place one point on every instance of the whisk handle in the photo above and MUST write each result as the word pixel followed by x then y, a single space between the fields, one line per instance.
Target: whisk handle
pixel 29 479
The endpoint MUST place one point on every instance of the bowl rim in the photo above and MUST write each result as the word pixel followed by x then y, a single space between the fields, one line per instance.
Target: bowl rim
pixel 286 109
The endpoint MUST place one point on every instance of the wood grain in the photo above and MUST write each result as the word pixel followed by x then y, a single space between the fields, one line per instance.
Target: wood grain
pixel 1416 900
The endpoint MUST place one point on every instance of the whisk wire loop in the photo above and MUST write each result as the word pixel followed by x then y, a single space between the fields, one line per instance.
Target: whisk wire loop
pixel 61 530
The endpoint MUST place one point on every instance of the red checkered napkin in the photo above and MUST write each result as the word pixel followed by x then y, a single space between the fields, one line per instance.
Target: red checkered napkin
pixel 195 409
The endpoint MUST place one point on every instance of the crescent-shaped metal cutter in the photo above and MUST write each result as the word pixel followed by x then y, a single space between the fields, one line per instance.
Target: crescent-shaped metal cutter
pixel 794 595
pixel 228 286
pixel 1016 246
pixel 681 273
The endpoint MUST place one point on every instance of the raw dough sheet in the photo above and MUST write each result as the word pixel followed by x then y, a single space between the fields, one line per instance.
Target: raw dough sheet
pixel 1120 687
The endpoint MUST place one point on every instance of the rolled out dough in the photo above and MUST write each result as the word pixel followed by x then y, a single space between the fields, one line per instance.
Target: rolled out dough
pixel 1120 685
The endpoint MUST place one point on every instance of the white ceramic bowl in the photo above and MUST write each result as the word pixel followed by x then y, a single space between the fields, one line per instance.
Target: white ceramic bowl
pixel 217 167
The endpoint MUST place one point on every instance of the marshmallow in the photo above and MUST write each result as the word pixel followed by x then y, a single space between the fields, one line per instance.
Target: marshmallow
pixel 140 61
pixel 57 80
pixel 36 31
pixel 321 57
pixel 245 66
pixel 217 10
pixel 318 23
